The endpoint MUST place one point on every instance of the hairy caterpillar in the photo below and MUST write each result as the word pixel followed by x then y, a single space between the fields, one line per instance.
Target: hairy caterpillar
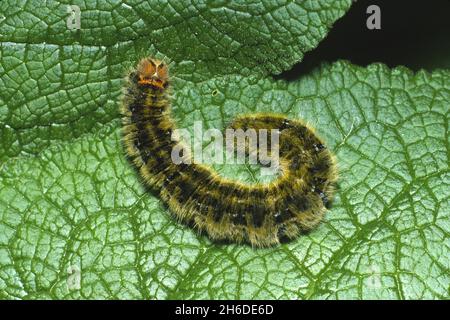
pixel 260 214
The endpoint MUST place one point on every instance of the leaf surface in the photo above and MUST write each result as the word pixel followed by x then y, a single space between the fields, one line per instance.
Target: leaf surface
pixel 75 221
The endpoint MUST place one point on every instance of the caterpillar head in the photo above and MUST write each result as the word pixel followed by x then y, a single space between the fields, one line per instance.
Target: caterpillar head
pixel 152 72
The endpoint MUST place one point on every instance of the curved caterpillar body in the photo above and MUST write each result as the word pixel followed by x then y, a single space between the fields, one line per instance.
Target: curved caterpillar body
pixel 261 214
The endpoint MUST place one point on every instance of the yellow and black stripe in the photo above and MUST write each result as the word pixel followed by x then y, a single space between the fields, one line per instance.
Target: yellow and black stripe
pixel 261 214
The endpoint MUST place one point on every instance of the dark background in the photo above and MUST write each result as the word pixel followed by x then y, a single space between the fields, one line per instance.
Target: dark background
pixel 415 34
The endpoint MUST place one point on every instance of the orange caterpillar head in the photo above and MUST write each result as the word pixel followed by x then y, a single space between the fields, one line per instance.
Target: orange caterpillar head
pixel 152 72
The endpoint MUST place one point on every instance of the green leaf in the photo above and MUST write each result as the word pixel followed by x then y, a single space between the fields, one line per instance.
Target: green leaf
pixel 58 84
pixel 72 208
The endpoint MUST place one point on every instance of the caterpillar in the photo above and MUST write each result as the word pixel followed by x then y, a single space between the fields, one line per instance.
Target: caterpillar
pixel 261 214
